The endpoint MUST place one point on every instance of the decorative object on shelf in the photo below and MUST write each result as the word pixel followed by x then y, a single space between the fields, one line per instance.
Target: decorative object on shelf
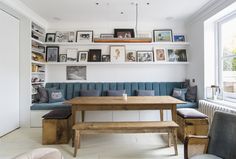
pixel 144 35
pixel 179 38
pixel 117 53
pixel 37 57
pixel 106 58
pixel 106 36
pixel 84 36
pixel 71 36
pixel 62 36
pixel 94 55
pixel 124 40
pixel 62 57
pixel 76 73
pixel 145 56
pixel 159 54
pixel 71 55
pixel 50 37
pixel 177 55
pixel 124 33
pixel 52 53
pixel 130 56
pixel 82 56
pixel 162 35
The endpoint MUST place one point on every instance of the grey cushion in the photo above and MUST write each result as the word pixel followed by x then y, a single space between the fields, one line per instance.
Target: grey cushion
pixel 191 94
pixel 43 94
pixel 187 105
pixel 90 93
pixel 115 92
pixel 145 92
pixel 179 93
pixel 55 96
pixel 50 106
pixel 190 113
pixel 205 156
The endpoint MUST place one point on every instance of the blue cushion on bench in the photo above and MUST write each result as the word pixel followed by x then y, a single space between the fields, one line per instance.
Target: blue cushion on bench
pixel 89 93
pixel 145 92
pixel 187 105
pixel 50 106
pixel 115 92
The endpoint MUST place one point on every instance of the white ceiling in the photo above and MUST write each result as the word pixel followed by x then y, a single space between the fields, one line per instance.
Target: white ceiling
pixel 69 11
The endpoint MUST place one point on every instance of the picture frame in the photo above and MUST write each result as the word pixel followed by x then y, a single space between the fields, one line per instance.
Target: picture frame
pixel 124 33
pixel 71 55
pixel 145 56
pixel 177 55
pixel 62 36
pixel 106 58
pixel 162 35
pixel 179 38
pixel 50 37
pixel 82 56
pixel 159 54
pixel 76 73
pixel 63 58
pixel 106 36
pixel 94 55
pixel 117 53
pixel 130 56
pixel 84 36
pixel 52 53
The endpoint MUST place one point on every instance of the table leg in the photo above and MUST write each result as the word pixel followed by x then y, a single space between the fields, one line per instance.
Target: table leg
pixel 174 113
pixel 82 116
pixel 161 114
pixel 73 123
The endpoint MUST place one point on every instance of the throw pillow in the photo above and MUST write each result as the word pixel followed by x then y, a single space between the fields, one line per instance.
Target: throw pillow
pixel 55 96
pixel 179 93
pixel 145 92
pixel 115 92
pixel 89 93
pixel 43 94
pixel 191 94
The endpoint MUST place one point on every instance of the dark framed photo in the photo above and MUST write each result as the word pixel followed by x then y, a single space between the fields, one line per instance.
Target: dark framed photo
pixel 179 38
pixel 52 53
pixel 162 35
pixel 82 56
pixel 106 58
pixel 130 56
pixel 84 36
pixel 124 33
pixel 159 54
pixel 76 72
pixel 145 56
pixel 50 37
pixel 177 55
pixel 62 57
pixel 94 55
pixel 106 36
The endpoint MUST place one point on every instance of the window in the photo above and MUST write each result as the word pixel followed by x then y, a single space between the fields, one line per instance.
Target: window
pixel 227 57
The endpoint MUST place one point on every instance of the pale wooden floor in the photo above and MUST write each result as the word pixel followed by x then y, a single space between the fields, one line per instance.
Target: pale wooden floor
pixel 101 146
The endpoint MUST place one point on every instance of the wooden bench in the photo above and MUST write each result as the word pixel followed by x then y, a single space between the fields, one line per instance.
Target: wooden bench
pixel 169 127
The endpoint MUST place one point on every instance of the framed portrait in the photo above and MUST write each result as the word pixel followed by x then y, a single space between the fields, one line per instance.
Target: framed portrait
pixel 52 53
pixel 179 38
pixel 159 54
pixel 124 33
pixel 117 53
pixel 83 56
pixel 94 55
pixel 76 72
pixel 177 55
pixel 130 56
pixel 50 37
pixel 162 35
pixel 84 36
pixel 62 36
pixel 62 57
pixel 145 56
pixel 106 36
pixel 105 58
pixel 71 55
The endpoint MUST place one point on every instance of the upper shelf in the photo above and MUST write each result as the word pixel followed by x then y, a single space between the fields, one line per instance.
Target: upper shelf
pixel 117 63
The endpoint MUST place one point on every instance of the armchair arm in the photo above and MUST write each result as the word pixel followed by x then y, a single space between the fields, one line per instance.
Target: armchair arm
pixel 195 145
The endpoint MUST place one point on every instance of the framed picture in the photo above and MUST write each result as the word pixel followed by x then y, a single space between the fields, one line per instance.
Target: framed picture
pixel 83 56
pixel 179 38
pixel 145 56
pixel 117 53
pixel 76 72
pixel 62 57
pixel 62 36
pixel 52 53
pixel 50 37
pixel 71 37
pixel 163 35
pixel 106 36
pixel 124 33
pixel 94 55
pixel 130 56
pixel 159 54
pixel 84 36
pixel 71 55
pixel 105 58
pixel 177 55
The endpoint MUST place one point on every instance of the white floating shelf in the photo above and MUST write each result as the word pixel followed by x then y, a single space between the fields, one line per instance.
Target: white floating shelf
pixel 37 82
pixel 38 73
pixel 38 33
pixel 37 41
pixel 37 62
pixel 38 52
pixel 120 63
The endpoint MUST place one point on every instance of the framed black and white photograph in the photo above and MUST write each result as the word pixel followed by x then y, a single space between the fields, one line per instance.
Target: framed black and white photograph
pixel 117 53
pixel 52 53
pixel 106 36
pixel 94 55
pixel 130 56
pixel 105 58
pixel 177 55
pixel 83 56
pixel 124 33
pixel 159 54
pixel 71 55
pixel 50 37
pixel 179 38
pixel 76 72
pixel 145 56
pixel 62 36
pixel 62 57
pixel 162 35
pixel 84 36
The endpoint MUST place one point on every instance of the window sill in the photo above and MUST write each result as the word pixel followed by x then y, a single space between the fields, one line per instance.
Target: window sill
pixel 223 103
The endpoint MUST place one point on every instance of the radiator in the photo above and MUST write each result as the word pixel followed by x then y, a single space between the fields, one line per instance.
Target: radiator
pixel 209 109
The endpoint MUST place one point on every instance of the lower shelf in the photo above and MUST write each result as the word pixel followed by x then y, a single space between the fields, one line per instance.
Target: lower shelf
pixel 117 63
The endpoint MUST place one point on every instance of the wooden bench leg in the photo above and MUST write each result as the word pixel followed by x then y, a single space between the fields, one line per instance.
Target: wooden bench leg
pixel 77 142
pixel 169 138
pixel 82 116
pixel 174 134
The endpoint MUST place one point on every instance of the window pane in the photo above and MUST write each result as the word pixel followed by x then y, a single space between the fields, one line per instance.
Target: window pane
pixel 229 75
